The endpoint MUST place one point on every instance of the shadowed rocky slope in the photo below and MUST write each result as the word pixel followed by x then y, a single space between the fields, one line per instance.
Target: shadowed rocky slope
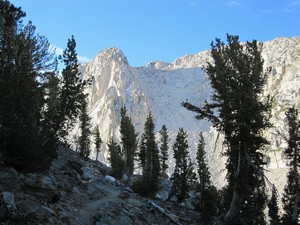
pixel 78 191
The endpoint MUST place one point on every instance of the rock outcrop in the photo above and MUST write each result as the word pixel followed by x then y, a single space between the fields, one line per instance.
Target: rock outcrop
pixel 79 191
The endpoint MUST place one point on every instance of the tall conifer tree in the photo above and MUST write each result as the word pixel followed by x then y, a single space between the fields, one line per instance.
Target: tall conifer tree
pixel 164 150
pixel 149 158
pixel 97 140
pixel 273 208
pixel 115 158
pixel 291 195
pixel 24 58
pixel 50 113
pixel 85 131
pixel 129 141
pixel 72 89
pixel 142 154
pixel 209 202
pixel 237 79
pixel 203 172
pixel 183 175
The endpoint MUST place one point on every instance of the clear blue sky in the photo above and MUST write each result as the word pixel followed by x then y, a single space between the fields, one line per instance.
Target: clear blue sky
pixel 150 30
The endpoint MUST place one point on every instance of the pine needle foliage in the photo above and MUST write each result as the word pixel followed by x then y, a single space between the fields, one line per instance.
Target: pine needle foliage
pixel 183 176
pixel 149 158
pixel 97 141
pixel 236 110
pixel 129 141
pixel 291 195
pixel 273 208
pixel 25 58
pixel 115 158
pixel 164 150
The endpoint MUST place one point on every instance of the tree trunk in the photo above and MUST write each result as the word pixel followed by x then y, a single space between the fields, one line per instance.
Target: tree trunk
pixel 97 152
pixel 235 206
pixel 295 209
pixel 239 187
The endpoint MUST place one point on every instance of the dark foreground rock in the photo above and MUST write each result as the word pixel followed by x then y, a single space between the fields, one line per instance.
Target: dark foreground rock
pixel 78 191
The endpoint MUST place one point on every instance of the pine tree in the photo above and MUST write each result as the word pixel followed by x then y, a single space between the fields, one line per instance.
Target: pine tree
pixel 253 211
pixel 149 158
pixel 183 176
pixel 238 80
pixel 129 141
pixel 291 193
pixel 273 208
pixel 164 149
pixel 115 158
pixel 72 89
pixel 208 203
pixel 142 154
pixel 290 206
pixel 50 113
pixel 85 131
pixel 203 172
pixel 97 141
pixel 24 58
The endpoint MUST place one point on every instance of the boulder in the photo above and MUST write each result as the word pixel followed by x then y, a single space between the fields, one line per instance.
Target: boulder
pixel 110 179
pixel 165 189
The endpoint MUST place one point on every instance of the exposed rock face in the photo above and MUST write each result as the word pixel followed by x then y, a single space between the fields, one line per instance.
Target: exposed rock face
pixel 160 88
pixel 283 55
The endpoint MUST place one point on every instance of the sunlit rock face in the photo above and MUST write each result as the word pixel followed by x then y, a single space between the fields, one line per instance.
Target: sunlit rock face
pixel 160 87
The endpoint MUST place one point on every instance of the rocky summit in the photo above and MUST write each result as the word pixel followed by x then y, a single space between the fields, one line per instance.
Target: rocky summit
pixel 80 191
pixel 161 87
